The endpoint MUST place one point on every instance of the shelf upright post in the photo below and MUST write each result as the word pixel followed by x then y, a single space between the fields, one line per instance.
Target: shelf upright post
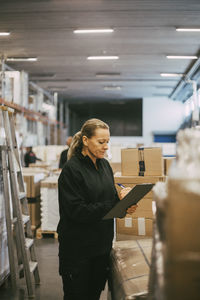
pixel 2 77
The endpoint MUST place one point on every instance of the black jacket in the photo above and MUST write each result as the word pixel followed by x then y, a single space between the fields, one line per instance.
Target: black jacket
pixel 30 158
pixel 85 196
pixel 63 158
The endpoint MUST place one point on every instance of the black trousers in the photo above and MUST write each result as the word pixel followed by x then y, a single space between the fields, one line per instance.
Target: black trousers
pixel 85 279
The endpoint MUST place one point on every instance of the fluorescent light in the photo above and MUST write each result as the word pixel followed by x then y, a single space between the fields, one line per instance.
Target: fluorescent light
pixel 93 30
pixel 109 74
pixel 112 88
pixel 171 75
pixel 4 33
pixel 102 57
pixel 21 58
pixel 57 87
pixel 181 57
pixel 188 29
pixel 187 109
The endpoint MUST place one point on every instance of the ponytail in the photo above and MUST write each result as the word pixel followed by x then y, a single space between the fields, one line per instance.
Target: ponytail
pixel 76 145
pixel 88 129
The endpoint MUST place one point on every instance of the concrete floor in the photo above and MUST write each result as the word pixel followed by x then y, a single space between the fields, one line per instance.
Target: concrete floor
pixel 51 284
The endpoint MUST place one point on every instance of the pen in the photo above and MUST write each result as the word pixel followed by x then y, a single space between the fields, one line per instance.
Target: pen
pixel 121 185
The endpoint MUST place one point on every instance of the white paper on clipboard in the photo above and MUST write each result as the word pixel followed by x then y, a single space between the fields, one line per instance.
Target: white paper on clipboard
pixel 132 198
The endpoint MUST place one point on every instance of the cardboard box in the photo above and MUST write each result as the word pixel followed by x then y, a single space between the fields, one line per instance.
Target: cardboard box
pixel 32 184
pixel 132 180
pixel 132 161
pixel 144 208
pixel 34 211
pixel 182 217
pixel 50 182
pixel 116 167
pixel 182 247
pixel 167 163
pixel 182 280
pixel 134 226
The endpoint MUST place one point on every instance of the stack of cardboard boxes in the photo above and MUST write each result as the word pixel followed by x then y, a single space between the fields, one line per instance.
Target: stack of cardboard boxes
pixel 182 230
pixel 32 180
pixel 139 165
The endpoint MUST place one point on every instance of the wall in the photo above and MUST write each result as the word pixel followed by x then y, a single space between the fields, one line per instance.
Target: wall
pixel 159 114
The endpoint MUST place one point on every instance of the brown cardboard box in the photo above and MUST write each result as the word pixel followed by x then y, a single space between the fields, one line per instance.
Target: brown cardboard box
pixel 182 280
pixel 183 212
pixel 32 178
pixel 167 163
pixel 152 159
pixel 32 188
pixel 128 180
pixel 144 208
pixel 129 162
pixel 131 181
pixel 27 185
pixel 34 211
pixel 116 166
pixel 182 231
pixel 134 226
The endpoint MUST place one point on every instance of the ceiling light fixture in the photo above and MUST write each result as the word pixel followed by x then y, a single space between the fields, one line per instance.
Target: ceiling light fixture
pixel 109 74
pixel 112 88
pixel 181 57
pixel 102 57
pixel 171 74
pixel 188 29
pixel 57 87
pixel 21 59
pixel 93 30
pixel 4 33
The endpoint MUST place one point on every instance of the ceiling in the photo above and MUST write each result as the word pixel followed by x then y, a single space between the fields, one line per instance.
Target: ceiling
pixel 144 33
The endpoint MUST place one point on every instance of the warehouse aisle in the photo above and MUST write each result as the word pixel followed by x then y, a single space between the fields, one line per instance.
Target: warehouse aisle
pixel 51 285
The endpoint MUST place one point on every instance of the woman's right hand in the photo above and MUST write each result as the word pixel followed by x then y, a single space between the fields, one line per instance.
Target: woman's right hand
pixel 124 192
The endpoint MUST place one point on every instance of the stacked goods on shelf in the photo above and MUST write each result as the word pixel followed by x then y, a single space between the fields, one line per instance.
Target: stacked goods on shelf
pixel 49 155
pixel 178 225
pixel 4 259
pixel 140 223
pixel 49 204
pixel 130 261
pixel 32 180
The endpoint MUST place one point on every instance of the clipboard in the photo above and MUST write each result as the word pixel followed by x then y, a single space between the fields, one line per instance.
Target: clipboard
pixel 132 198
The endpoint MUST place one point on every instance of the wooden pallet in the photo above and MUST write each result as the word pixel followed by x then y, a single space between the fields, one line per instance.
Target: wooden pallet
pixel 40 233
pixel 34 228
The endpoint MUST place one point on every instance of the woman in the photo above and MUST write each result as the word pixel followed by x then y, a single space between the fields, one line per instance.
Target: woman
pixel 86 194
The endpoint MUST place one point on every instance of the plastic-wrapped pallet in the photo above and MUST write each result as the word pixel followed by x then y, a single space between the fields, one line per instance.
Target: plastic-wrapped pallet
pixel 49 204
pixel 176 249
pixel 49 154
pixel 130 262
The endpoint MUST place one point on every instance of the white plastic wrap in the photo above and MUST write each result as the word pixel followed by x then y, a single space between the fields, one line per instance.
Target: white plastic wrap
pixel 188 154
pixel 49 209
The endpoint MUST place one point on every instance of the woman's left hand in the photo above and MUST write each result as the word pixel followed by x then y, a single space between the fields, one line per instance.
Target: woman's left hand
pixel 122 194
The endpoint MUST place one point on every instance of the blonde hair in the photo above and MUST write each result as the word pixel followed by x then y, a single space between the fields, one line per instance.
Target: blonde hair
pixel 88 129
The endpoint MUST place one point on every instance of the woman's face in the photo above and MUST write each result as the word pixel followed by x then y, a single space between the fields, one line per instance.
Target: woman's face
pixel 96 146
